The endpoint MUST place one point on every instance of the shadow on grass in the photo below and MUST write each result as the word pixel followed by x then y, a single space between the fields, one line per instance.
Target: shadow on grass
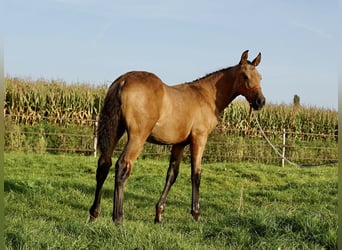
pixel 13 240
pixel 16 186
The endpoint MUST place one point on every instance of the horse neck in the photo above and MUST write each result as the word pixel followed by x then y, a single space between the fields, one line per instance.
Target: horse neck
pixel 219 88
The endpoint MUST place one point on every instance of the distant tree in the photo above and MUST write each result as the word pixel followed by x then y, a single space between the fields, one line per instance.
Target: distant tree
pixel 296 100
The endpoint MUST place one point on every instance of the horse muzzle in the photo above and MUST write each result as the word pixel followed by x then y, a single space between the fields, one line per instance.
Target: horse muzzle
pixel 257 101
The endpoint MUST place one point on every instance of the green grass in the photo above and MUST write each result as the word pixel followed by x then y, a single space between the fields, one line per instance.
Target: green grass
pixel 243 205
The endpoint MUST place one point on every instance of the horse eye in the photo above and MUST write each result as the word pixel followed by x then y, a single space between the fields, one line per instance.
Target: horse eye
pixel 244 77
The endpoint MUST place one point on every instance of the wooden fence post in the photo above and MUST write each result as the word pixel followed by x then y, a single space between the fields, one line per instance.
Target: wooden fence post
pixel 283 154
pixel 95 134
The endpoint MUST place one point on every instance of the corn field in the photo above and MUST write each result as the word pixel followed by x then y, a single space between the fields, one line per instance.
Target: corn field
pixel 279 117
pixel 40 112
pixel 58 101
pixel 33 101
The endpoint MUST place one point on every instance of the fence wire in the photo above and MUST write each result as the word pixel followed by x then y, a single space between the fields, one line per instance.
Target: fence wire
pixel 223 145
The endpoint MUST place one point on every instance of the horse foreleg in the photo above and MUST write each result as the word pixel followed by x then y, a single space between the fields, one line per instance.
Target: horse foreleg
pixel 172 173
pixel 197 147
pixel 104 165
pixel 196 180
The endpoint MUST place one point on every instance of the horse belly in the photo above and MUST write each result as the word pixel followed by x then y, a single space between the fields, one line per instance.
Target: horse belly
pixel 168 133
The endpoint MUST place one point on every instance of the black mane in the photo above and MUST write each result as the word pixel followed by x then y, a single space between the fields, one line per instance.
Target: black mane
pixel 215 72
pixel 210 74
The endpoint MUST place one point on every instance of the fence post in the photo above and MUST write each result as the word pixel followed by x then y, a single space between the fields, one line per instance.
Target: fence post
pixel 283 154
pixel 95 135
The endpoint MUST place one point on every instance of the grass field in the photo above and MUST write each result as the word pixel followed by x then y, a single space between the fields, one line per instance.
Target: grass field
pixel 243 205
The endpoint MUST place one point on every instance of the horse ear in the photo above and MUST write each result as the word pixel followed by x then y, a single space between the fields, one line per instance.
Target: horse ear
pixel 257 60
pixel 244 57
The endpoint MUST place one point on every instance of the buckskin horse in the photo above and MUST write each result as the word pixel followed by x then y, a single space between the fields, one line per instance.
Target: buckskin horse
pixel 140 104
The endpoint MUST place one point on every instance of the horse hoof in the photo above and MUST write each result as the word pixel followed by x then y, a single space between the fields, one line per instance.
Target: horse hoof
pixel 159 212
pixel 157 220
pixel 196 215
pixel 92 218
pixel 118 222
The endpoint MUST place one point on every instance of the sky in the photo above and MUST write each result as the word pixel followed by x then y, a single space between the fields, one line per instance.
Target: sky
pixel 95 41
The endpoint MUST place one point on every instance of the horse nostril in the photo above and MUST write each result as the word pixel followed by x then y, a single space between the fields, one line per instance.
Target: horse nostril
pixel 260 101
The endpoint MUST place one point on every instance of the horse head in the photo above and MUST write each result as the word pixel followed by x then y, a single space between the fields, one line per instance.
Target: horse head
pixel 248 81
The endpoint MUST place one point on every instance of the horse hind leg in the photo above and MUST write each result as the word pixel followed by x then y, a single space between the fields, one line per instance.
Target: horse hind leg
pixel 103 166
pixel 123 168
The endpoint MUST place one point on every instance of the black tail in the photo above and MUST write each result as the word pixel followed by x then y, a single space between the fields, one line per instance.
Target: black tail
pixel 110 118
